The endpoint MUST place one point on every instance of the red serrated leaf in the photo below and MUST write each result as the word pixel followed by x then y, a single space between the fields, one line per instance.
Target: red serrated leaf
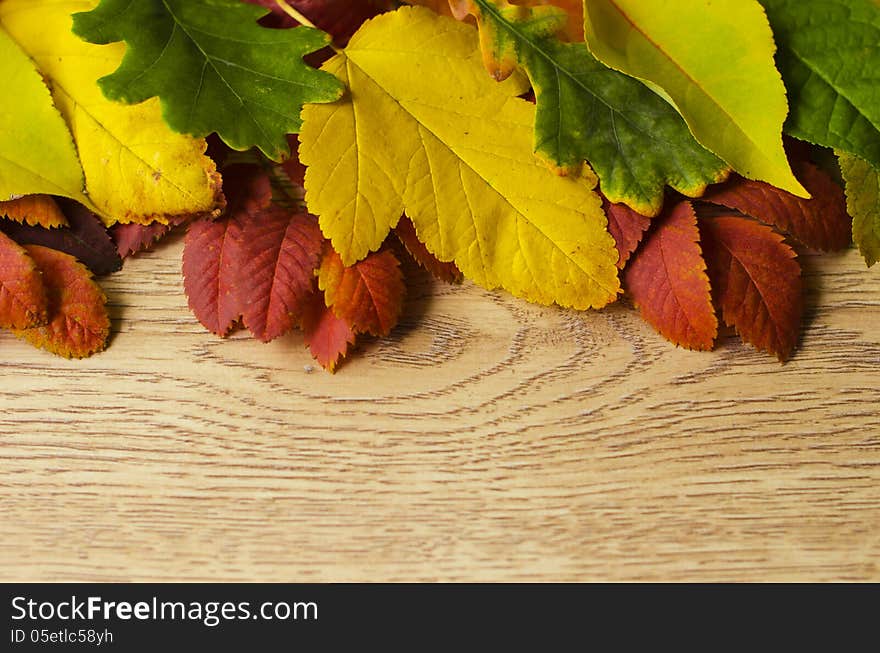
pixel 78 322
pixel 132 238
pixel 368 295
pixel 821 222
pixel 667 280
pixel 281 252
pixel 327 336
pixel 339 18
pixel 627 227
pixel 406 234
pixel 37 210
pixel 212 255
pixel 756 281
pixel 23 299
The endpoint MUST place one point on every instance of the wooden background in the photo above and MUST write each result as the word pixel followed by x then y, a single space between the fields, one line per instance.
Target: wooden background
pixel 485 440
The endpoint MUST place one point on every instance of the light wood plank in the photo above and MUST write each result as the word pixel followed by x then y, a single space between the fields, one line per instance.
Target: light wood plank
pixel 486 439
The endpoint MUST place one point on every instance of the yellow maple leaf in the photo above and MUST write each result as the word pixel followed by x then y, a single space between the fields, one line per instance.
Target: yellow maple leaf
pixel 423 129
pixel 136 169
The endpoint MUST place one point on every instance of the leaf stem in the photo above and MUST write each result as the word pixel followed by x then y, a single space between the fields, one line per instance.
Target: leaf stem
pixel 293 13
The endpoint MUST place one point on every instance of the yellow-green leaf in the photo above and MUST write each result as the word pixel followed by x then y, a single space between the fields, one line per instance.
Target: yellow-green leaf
pixel 32 132
pixel 863 204
pixel 713 61
pixel 136 168
pixel 458 159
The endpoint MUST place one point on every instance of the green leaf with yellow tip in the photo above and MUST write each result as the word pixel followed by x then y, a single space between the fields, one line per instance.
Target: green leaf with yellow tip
pixel 458 161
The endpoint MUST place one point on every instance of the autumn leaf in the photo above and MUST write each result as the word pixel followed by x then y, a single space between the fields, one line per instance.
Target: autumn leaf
pixel 627 227
pixel 34 210
pixel 84 238
pixel 460 164
pixel 133 238
pixel 827 56
pixel 367 295
pixel 212 252
pixel 136 169
pixel 863 202
pixel 281 251
pixel 667 280
pixel 32 133
pixel 821 223
pixel 78 322
pixel 714 64
pixel 214 68
pixel 756 282
pixel 636 142
pixel 23 300
pixel 406 233
pixel 328 337
pixel 339 18
pixel 573 30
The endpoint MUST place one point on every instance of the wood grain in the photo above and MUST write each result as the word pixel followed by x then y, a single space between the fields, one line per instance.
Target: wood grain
pixel 486 439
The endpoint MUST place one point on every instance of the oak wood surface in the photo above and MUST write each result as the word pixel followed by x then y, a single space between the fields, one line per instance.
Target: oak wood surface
pixel 486 439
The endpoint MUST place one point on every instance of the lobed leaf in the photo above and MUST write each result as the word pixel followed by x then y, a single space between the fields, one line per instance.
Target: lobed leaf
pixel 213 67
pixel 460 165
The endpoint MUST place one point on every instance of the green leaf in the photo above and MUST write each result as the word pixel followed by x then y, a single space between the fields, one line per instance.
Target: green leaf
pixel 634 140
pixel 213 67
pixel 829 56
pixel 713 61
pixel 863 204
pixel 36 149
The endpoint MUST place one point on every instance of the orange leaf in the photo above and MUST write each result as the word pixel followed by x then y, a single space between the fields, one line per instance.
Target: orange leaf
pixel 23 299
pixel 281 252
pixel 406 234
pixel 368 295
pixel 78 322
pixel 627 227
pixel 667 280
pixel 327 336
pixel 35 210
pixel 756 281
pixel 821 222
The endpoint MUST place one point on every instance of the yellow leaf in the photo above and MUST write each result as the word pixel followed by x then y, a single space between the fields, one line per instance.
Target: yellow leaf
pixel 136 168
pixel 713 61
pixel 425 130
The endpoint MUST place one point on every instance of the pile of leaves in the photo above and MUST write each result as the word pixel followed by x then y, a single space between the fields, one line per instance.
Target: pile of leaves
pixel 566 151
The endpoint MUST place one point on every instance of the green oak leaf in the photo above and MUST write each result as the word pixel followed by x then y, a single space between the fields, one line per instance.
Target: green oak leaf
pixel 829 57
pixel 634 140
pixel 863 204
pixel 213 67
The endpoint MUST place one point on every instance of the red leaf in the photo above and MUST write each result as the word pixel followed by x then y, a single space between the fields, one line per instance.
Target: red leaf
pixel 756 281
pixel 247 188
pixel 132 238
pixel 667 279
pixel 294 170
pixel 406 233
pixel 37 210
pixel 23 299
pixel 281 252
pixel 86 238
pixel 339 18
pixel 368 295
pixel 78 322
pixel 212 255
pixel 627 227
pixel 327 336
pixel 821 222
